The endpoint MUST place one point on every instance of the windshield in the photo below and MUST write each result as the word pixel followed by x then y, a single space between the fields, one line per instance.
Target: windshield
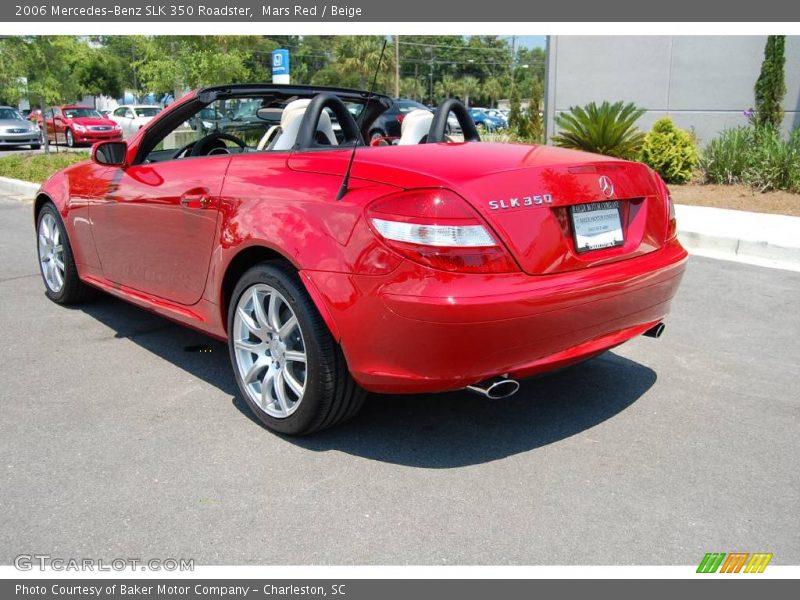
pixel 10 113
pixel 147 111
pixel 79 113
pixel 246 110
pixel 408 106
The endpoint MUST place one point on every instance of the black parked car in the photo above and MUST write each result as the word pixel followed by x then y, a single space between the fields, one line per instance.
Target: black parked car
pixel 388 123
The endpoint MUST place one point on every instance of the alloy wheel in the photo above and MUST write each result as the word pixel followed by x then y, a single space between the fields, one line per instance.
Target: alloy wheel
pixel 270 351
pixel 51 253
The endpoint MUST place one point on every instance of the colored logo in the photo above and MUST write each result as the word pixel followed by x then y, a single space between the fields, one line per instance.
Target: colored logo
pixel 280 62
pixel 734 562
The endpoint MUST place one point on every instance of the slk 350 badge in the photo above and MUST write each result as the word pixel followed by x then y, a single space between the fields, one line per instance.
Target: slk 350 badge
pixel 520 202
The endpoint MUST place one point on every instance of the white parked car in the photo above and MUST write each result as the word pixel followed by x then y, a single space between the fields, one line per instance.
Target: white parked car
pixel 132 117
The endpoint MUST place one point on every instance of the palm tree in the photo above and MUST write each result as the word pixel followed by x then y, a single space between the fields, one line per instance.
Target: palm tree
pixel 446 87
pixel 360 54
pixel 493 88
pixel 469 86
pixel 411 87
pixel 606 129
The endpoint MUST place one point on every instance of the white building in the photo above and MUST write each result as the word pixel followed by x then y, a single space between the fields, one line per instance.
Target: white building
pixel 704 83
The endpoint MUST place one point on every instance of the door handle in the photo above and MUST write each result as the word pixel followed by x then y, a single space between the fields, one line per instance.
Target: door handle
pixel 197 199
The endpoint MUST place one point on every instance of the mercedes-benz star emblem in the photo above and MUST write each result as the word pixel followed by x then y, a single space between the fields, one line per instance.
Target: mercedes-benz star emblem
pixel 606 186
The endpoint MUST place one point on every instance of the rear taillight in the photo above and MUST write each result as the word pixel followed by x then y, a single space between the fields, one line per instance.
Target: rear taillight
pixel 663 192
pixel 400 117
pixel 672 223
pixel 437 228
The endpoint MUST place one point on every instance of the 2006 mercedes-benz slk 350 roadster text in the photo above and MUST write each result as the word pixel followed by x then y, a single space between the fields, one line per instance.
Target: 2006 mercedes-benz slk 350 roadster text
pixel 332 267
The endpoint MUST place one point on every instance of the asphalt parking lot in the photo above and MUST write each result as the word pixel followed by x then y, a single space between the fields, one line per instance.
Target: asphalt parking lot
pixel 121 437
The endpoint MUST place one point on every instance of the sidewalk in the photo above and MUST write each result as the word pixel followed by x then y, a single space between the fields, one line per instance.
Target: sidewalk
pixel 756 238
pixel 18 188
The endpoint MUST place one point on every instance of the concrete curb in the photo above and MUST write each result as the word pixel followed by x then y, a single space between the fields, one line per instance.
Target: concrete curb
pixel 756 238
pixel 17 187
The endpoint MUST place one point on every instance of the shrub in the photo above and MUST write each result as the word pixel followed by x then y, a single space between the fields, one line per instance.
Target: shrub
pixel 770 88
pixel 725 158
pixel 606 129
pixel 773 164
pixel 670 151
pixel 757 157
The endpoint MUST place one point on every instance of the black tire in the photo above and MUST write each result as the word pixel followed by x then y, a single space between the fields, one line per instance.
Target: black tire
pixel 35 146
pixel 70 138
pixel 331 395
pixel 73 291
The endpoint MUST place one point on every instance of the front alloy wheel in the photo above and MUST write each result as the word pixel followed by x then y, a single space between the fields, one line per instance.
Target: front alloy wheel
pixel 288 366
pixel 51 252
pixel 56 263
pixel 70 139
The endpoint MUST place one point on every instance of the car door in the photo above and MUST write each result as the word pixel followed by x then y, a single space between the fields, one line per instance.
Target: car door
pixel 155 224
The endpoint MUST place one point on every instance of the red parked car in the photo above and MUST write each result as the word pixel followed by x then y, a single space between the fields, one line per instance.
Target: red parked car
pixel 426 266
pixel 74 125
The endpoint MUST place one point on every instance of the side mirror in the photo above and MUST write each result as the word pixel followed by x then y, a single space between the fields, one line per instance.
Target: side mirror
pixel 110 153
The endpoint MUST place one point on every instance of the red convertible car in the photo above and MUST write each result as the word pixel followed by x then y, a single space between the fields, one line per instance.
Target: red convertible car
pixel 74 125
pixel 332 267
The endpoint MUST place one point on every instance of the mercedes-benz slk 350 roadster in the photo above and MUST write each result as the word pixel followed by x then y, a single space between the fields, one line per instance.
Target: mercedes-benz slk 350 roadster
pixel 332 267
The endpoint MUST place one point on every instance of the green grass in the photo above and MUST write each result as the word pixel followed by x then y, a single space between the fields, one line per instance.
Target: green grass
pixel 37 167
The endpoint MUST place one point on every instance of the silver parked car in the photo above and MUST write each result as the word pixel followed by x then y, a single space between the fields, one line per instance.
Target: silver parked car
pixel 15 130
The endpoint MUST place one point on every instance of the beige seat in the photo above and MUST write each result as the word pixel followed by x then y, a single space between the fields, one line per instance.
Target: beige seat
pixel 415 127
pixel 291 118
pixel 267 137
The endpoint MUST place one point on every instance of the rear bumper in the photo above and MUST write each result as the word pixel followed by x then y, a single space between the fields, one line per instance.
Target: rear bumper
pixel 418 330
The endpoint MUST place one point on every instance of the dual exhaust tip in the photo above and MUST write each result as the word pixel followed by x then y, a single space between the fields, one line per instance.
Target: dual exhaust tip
pixel 655 331
pixel 503 387
pixel 495 389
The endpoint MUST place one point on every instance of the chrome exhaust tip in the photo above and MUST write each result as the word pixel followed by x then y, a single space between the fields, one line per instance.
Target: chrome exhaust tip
pixel 495 389
pixel 655 331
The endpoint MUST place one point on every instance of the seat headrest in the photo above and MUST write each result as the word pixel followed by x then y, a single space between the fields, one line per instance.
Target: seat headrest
pixel 415 127
pixel 291 118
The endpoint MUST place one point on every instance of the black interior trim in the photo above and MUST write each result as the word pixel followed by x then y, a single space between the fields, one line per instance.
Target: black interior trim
pixel 438 130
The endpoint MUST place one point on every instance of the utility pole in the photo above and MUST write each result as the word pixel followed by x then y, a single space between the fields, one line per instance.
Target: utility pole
pixel 45 135
pixel 397 66
pixel 513 60
pixel 431 75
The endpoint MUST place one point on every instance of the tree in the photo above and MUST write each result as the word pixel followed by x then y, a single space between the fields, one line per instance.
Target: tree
pixel 100 73
pixel 493 88
pixel 469 87
pixel 515 112
pixel 50 63
pixel 411 87
pixel 360 54
pixel 770 87
pixel 535 125
pixel 608 129
pixel 446 87
pixel 13 70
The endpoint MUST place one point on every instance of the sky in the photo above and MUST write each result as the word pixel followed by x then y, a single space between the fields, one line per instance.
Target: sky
pixel 528 41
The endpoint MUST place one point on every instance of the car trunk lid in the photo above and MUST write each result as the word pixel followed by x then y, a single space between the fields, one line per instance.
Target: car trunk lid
pixel 527 194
